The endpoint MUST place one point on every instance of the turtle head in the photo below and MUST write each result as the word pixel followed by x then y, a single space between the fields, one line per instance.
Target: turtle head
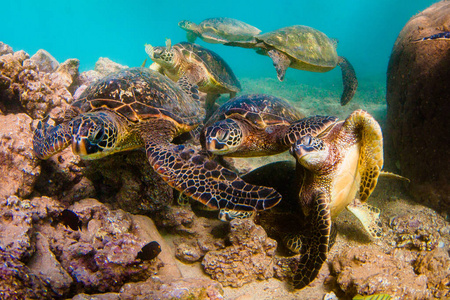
pixel 95 135
pixel 193 30
pixel 161 55
pixel 187 25
pixel 311 152
pixel 222 137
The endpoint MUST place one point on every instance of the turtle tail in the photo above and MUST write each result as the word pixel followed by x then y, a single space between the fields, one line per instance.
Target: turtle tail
pixel 349 80
pixel 314 251
pixel 369 132
pixel 49 140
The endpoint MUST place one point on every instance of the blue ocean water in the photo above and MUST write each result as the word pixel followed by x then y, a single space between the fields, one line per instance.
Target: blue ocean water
pixel 87 30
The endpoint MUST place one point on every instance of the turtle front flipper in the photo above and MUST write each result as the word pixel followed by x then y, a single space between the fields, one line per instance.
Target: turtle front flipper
pixel 370 162
pixel 348 79
pixel 314 248
pixel 312 125
pixel 191 172
pixel 189 86
pixel 280 61
pixel 49 140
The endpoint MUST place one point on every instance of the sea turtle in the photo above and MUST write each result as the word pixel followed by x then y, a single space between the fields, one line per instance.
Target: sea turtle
pixel 303 48
pixel 219 30
pixel 336 169
pixel 191 64
pixel 257 125
pixel 138 107
pixel 341 168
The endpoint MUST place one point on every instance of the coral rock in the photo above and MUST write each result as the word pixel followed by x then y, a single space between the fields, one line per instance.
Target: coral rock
pixel 105 66
pixel 166 288
pixel 24 88
pixel 45 265
pixel 250 257
pixel 45 61
pixel 17 282
pixel 366 271
pixel 436 266
pixel 418 105
pixel 20 168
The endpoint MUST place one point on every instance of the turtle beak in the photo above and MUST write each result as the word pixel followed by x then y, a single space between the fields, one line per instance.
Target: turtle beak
pixel 84 148
pixel 79 146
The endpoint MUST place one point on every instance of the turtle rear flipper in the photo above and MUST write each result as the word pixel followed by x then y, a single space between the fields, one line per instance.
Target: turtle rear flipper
pixel 280 61
pixel 314 250
pixel 348 79
pixel 49 140
pixel 369 217
pixel 194 174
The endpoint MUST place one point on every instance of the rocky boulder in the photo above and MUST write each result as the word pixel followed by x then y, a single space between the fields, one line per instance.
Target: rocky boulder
pixel 418 106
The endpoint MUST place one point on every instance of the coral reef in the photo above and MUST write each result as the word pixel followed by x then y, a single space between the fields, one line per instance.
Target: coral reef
pixel 250 256
pixel 366 270
pixel 19 169
pixel 23 88
pixel 417 138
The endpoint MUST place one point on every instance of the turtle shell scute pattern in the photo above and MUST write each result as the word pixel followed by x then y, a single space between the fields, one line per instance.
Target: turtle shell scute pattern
pixel 259 109
pixel 138 94
pixel 303 43
pixel 217 67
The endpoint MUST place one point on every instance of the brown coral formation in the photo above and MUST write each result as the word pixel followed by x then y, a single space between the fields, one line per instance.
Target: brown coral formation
pixel 250 256
pixel 24 88
pixel 418 107
pixel 367 270
pixel 19 168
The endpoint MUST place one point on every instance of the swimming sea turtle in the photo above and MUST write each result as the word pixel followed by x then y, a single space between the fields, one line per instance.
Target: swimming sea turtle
pixel 191 64
pixel 341 169
pixel 303 48
pixel 138 107
pixel 219 30
pixel 257 125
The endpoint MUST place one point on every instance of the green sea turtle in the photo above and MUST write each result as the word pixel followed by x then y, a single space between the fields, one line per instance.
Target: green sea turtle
pixel 336 169
pixel 257 125
pixel 219 30
pixel 190 64
pixel 303 48
pixel 341 169
pixel 138 107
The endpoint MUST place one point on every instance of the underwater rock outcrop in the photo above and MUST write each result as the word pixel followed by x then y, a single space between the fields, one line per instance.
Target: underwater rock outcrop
pixel 250 256
pixel 19 168
pixel 24 88
pixel 100 257
pixel 417 135
pixel 366 270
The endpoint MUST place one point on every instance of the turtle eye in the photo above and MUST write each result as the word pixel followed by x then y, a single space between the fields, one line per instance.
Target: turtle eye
pixel 223 135
pixel 99 135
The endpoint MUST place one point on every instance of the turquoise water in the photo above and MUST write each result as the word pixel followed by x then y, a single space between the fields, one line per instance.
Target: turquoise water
pixel 87 30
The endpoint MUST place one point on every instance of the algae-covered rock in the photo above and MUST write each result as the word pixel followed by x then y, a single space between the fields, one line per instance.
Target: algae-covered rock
pixel 417 135
pixel 250 257
pixel 19 168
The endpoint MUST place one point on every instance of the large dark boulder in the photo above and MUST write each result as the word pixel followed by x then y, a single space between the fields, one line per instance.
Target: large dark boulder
pixel 418 97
